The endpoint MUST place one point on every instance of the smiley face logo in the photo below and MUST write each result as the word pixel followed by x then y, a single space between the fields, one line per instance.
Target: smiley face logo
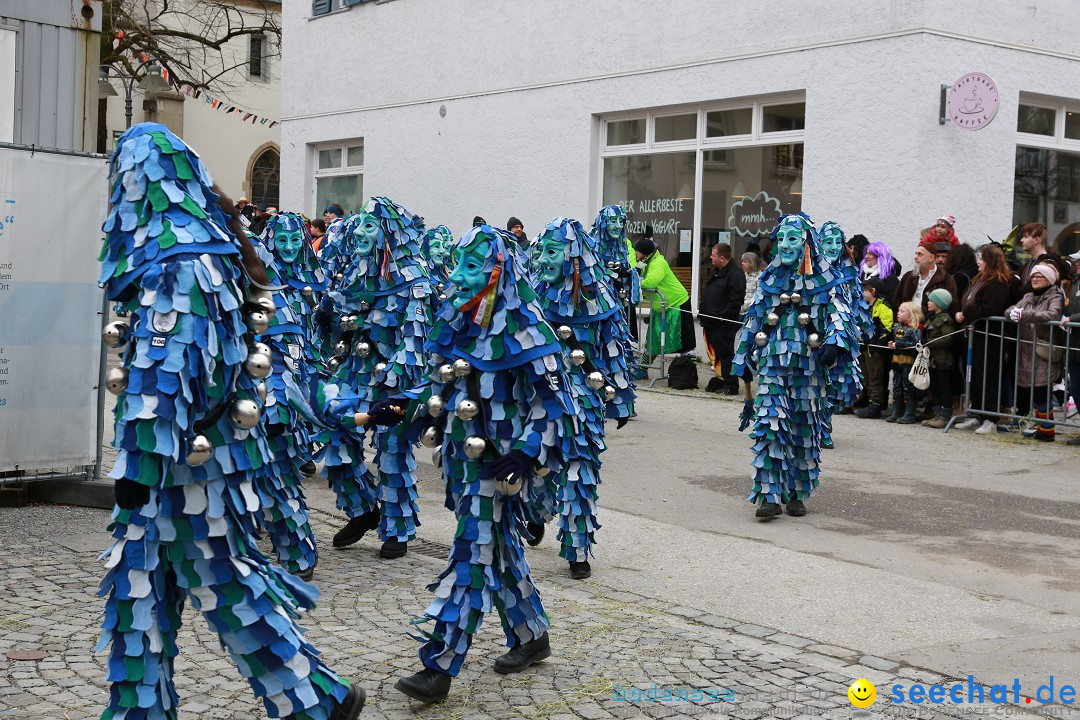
pixel 862 693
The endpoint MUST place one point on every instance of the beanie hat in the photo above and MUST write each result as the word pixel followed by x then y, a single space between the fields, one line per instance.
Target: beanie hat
pixel 942 298
pixel 949 219
pixel 512 222
pixel 336 209
pixel 645 246
pixel 1047 270
pixel 942 247
pixel 478 221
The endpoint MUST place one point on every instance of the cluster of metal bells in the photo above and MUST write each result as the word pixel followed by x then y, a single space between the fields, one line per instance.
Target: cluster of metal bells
pixel 785 298
pixel 772 318
pixel 473 446
pixel 761 339
pixel 459 368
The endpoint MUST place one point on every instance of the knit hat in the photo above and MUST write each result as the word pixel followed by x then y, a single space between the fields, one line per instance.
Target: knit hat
pixel 949 219
pixel 942 298
pixel 336 209
pixel 645 246
pixel 877 284
pixel 478 221
pixel 1047 270
pixel 512 222
pixel 942 247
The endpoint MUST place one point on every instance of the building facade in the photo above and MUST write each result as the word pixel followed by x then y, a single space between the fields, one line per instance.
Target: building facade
pixel 705 119
pixel 243 156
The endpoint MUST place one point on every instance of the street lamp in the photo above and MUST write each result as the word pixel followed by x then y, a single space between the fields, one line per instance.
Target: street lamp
pixel 150 81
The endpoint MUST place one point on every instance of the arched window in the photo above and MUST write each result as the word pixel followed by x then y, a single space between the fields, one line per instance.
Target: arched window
pixel 265 178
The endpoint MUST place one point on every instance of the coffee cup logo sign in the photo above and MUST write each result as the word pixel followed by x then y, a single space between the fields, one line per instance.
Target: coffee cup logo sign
pixel 972 101
pixel 752 216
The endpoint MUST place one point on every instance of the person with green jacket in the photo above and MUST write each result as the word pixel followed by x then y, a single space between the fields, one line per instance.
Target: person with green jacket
pixel 677 320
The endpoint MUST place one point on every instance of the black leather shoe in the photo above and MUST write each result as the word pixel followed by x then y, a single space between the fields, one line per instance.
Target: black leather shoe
pixel 524 656
pixel 428 686
pixel 309 469
pixel 393 549
pixel 769 510
pixel 350 707
pixel 729 390
pixel 306 575
pixel 356 528
pixel 795 508
pixel 537 532
pixel 580 570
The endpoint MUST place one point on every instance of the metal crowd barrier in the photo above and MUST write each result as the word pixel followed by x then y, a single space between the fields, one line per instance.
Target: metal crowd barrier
pixel 995 388
pixel 644 319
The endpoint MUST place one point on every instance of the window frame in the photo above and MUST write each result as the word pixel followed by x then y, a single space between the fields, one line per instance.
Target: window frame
pixel 342 170
pixel 1057 141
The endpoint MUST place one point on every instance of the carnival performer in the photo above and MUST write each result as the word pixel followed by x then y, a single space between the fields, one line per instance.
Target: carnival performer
pixel 616 251
pixel 189 441
pixel 577 298
pixel 385 311
pixel 436 247
pixel 795 331
pixel 294 271
pixel 845 377
pixel 500 412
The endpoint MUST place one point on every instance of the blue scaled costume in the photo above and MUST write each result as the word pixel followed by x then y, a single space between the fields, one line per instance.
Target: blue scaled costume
pixel 436 246
pixel 285 249
pixel 497 391
pixel 796 328
pixel 615 253
pixel 189 441
pixel 576 296
pixel 845 377
pixel 385 305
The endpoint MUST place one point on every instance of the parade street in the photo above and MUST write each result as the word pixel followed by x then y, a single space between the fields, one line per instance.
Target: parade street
pixel 958 559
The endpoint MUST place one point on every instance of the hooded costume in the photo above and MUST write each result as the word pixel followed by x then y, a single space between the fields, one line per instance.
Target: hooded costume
pixel 189 441
pixel 796 328
pixel 617 255
pixel 435 247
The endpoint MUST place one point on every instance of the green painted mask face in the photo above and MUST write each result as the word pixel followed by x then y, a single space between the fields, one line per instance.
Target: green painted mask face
pixel 790 245
pixel 550 260
pixel 437 252
pixel 368 232
pixel 615 226
pixel 469 276
pixel 287 243
pixel 832 244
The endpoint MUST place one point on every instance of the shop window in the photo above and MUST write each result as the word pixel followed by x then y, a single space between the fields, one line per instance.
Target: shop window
pixel 339 176
pixel 1046 189
pixel 1035 120
pixel 626 132
pixel 670 128
pixel 726 123
pixel 783 118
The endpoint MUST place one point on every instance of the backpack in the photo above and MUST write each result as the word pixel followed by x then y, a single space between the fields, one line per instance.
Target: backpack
pixel 682 373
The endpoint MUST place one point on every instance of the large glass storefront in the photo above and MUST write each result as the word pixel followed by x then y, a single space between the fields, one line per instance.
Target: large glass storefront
pixel 743 161
pixel 1047 180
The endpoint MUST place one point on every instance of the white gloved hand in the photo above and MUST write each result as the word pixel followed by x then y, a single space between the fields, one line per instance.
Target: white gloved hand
pixel 1015 313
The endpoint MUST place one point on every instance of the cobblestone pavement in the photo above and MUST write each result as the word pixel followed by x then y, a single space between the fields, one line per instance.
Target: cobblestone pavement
pixel 606 642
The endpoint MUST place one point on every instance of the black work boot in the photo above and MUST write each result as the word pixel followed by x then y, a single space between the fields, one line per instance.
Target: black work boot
pixel 580 570
pixel 537 531
pixel 871 411
pixel 350 707
pixel 769 510
pixel 307 574
pixel 524 656
pixel 309 469
pixel 795 508
pixel 356 528
pixel 393 548
pixel 427 686
pixel 897 411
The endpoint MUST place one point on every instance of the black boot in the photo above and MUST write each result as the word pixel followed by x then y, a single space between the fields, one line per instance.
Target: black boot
pixel 350 707
pixel 897 411
pixel 769 510
pixel 307 574
pixel 795 508
pixel 871 411
pixel 356 528
pixel 524 656
pixel 909 417
pixel 580 570
pixel 393 548
pixel 309 469
pixel 427 686
pixel 537 532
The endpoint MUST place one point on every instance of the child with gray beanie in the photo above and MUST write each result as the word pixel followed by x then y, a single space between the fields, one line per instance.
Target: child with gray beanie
pixel 937 336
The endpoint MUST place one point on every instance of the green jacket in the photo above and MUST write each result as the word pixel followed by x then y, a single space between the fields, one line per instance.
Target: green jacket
pixel 941 351
pixel 658 276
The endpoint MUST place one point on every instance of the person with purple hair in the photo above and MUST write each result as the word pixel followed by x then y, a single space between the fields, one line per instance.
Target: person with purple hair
pixel 878 261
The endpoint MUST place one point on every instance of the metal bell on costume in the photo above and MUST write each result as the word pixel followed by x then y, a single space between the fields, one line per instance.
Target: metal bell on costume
pixel 564 332
pixel 609 393
pixel 340 348
pixel 307 291
pixel 263 300
pixel 506 488
pixel 115 333
pixel 474 447
pixel 462 368
pixel 199 451
pixel 260 389
pixel 245 413
pixel 785 298
pixel 596 380
pixel 116 380
pixel 445 373
pixel 364 306
pixel 436 458
pixel 338 277
pixel 796 298
pixel 760 339
pixel 257 365
pixel 814 340
pixel 379 367
pixel 258 322
pixel 577 357
pixel 432 437
pixel 622 295
pixel 804 318
pixel 436 406
pixel 363 348
pixel 262 349
pixel 333 364
pixel 466 409
pixel 772 318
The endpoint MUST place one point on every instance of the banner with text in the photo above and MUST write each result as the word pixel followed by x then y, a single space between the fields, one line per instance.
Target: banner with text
pixel 51 211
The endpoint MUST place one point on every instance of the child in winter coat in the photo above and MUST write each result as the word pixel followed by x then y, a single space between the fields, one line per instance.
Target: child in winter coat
pixel 876 364
pixel 938 337
pixel 907 333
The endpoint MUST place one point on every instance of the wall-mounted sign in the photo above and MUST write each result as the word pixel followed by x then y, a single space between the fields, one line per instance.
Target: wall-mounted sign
pixel 972 101
pixel 753 216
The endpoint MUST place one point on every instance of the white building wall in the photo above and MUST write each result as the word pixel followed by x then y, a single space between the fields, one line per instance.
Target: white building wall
pixel 520 132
